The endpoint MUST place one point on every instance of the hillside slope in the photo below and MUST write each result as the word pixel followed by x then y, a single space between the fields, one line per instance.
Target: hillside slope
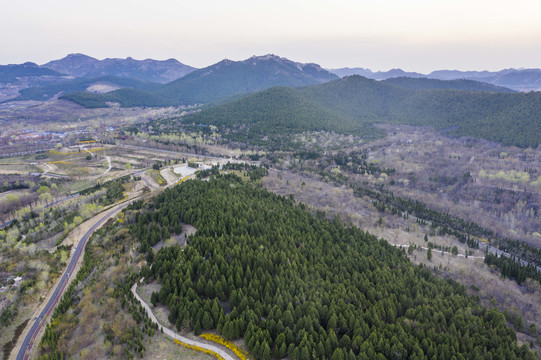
pixel 460 84
pixel 277 110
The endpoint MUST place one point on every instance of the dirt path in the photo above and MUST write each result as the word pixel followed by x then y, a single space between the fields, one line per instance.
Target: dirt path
pixel 49 167
pixel 110 166
pixel 174 335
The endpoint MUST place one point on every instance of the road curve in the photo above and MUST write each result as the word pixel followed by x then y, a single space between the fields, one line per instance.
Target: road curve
pixel 174 335
pixel 41 320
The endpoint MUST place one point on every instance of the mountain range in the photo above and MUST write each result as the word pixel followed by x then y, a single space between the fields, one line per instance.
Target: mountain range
pixel 83 66
pixel 516 79
pixel 80 76
pixel 228 78
pixel 222 80
pixel 232 79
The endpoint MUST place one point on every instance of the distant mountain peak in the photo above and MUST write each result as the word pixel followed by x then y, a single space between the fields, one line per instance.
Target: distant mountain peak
pixel 262 59
pixel 254 60
pixel 79 56
pixel 266 57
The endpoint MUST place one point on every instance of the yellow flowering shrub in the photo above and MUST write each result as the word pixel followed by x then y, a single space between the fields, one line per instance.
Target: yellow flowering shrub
pixel 228 344
pixel 59 162
pixel 183 179
pixel 197 348
pixel 52 151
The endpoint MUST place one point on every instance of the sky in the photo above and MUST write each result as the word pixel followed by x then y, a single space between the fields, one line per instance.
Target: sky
pixel 415 35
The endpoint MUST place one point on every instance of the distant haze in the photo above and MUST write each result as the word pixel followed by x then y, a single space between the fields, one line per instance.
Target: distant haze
pixel 415 35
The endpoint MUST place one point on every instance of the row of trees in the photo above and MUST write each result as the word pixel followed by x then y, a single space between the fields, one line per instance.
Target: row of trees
pixel 512 268
pixel 254 172
pixel 263 268
pixel 462 229
pixel 114 189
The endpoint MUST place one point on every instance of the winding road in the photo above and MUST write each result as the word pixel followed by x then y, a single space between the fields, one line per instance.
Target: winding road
pixel 41 320
pixel 174 335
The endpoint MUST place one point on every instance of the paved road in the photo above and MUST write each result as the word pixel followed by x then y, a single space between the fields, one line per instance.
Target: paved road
pixel 41 320
pixel 174 335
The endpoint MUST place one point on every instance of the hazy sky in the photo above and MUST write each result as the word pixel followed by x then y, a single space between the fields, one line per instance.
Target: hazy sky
pixel 415 35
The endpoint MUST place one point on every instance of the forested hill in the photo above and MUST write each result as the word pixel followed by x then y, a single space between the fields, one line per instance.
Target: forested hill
pixel 429 84
pixel 303 287
pixel 280 110
pixel 356 102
